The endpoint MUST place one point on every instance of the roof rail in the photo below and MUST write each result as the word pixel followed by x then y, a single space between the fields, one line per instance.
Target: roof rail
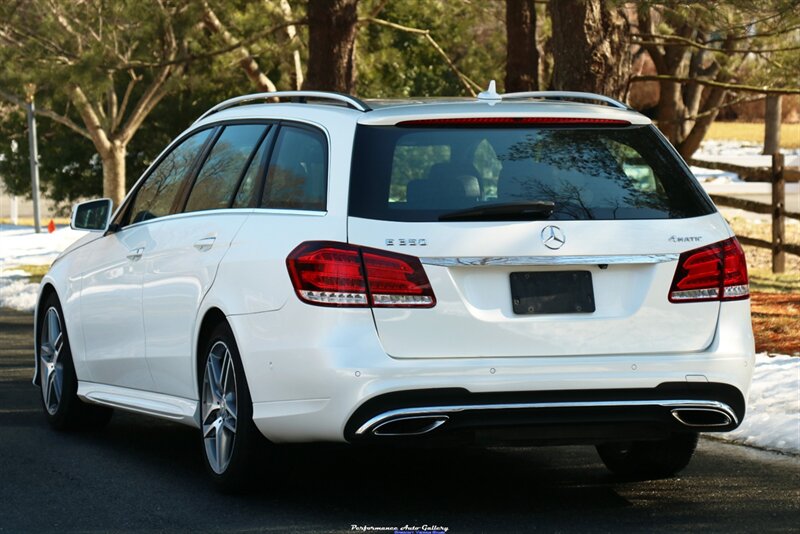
pixel 566 95
pixel 299 96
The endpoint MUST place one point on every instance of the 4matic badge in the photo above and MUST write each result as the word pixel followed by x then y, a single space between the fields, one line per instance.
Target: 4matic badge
pixel 685 239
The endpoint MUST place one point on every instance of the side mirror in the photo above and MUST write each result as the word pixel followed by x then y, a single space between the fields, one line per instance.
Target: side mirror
pixel 93 215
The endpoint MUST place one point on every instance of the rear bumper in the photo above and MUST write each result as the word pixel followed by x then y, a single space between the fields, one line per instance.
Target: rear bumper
pixel 547 417
pixel 312 383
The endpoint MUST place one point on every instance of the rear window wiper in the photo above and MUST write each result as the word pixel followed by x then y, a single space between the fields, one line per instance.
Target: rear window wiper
pixel 506 211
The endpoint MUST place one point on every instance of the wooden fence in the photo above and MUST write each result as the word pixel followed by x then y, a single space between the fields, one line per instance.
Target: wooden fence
pixel 777 175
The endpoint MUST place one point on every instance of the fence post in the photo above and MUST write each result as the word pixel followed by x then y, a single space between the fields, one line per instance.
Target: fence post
pixel 778 207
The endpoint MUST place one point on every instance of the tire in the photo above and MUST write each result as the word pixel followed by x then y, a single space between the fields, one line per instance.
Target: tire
pixel 229 438
pixel 649 459
pixel 57 379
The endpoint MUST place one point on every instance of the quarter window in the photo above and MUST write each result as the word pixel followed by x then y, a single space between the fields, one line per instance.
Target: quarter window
pixel 158 192
pixel 297 175
pixel 218 179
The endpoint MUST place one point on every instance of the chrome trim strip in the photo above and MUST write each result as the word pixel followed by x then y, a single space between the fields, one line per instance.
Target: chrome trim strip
pixel 443 410
pixel 455 261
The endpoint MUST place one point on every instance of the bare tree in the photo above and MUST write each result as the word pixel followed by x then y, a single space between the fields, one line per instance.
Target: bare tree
pixel 703 54
pixel 522 57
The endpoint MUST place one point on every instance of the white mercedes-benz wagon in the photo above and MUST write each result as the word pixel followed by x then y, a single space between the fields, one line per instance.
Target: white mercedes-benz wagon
pixel 521 269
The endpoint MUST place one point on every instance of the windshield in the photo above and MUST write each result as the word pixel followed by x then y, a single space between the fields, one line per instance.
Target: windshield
pixel 425 173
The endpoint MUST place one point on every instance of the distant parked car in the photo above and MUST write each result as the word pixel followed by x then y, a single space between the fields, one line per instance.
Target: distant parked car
pixel 533 268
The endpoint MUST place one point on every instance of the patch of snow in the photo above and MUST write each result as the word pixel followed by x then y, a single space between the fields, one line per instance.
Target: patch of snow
pixel 737 153
pixel 20 245
pixel 772 420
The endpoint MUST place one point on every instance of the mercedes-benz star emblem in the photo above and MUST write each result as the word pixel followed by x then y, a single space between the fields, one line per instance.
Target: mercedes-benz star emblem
pixel 553 237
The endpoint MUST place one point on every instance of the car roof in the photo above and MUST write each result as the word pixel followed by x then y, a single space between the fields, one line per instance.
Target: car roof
pixel 308 105
pixel 391 112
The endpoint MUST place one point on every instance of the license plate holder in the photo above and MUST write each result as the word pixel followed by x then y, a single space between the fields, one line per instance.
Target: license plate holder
pixel 548 292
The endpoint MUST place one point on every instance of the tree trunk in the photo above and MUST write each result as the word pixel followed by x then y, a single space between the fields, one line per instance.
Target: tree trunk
pixel 591 51
pixel 331 45
pixel 691 143
pixel 670 111
pixel 114 172
pixel 522 58
pixel 772 124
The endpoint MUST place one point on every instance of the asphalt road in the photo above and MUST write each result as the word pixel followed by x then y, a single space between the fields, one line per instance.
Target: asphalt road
pixel 140 475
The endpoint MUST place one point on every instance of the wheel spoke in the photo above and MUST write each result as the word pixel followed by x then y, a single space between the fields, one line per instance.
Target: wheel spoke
pixel 213 382
pixel 219 443
pixel 211 429
pixel 51 387
pixel 225 368
pixel 211 413
pixel 46 379
pixel 230 424
pixel 58 344
pixel 58 382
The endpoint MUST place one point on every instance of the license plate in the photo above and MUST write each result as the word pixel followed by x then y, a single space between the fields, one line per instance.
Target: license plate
pixel 552 292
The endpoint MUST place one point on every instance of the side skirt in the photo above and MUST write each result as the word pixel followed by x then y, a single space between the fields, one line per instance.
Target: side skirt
pixel 178 409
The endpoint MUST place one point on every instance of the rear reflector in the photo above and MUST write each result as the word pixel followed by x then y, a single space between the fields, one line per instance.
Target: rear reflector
pixel 512 121
pixel 328 273
pixel 714 272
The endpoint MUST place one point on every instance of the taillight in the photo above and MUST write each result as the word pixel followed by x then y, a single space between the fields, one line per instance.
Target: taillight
pixel 328 273
pixel 714 272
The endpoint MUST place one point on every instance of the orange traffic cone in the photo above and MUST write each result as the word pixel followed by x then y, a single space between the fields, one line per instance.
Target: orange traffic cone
pixel 51 227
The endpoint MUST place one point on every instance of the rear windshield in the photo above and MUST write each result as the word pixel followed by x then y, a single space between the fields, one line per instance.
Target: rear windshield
pixel 423 173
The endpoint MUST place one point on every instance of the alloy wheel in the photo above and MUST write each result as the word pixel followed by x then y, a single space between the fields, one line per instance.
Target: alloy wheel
pixel 219 398
pixel 51 343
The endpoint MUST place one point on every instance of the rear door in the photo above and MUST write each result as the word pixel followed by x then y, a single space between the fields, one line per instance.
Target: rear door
pixel 590 277
pixel 186 249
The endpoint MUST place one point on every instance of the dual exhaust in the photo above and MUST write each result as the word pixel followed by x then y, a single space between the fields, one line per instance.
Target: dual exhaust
pixel 424 420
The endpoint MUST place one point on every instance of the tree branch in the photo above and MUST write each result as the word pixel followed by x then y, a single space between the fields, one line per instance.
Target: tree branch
pixel 95 130
pixel 712 83
pixel 61 119
pixel 246 60
pixel 468 84
pixel 645 39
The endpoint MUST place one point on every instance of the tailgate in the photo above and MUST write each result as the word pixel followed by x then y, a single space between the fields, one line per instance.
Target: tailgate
pixel 631 265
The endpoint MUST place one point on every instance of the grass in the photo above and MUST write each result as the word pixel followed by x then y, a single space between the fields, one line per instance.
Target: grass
pixel 775 308
pixel 35 272
pixel 765 281
pixel 753 132
pixel 776 322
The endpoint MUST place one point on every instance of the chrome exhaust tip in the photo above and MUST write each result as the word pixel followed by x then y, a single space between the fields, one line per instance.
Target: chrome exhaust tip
pixel 410 426
pixel 702 417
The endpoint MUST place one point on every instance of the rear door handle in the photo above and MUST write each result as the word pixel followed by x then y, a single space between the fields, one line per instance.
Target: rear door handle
pixel 135 254
pixel 204 244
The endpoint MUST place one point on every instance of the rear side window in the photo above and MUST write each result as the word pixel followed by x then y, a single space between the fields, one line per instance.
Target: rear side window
pixel 297 175
pixel 219 177
pixel 420 174
pixel 158 192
